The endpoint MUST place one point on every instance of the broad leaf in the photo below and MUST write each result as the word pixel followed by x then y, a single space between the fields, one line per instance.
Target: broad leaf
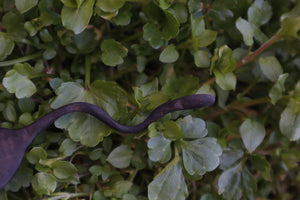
pixel 202 59
pixel 252 133
pixel 226 81
pixel 6 46
pixel 259 13
pixel 120 157
pixel 169 54
pixel 44 183
pixel 63 169
pixel 169 184
pixel 113 52
pixel 67 147
pixel 77 19
pixel 36 154
pixel 270 67
pixel 193 128
pixel 290 23
pixel 152 34
pixel 25 5
pixel 17 81
pixel 246 30
pixel 290 122
pixel 110 5
pixel 278 89
pixel 159 149
pixel 201 155
pixel 83 127
pixel 235 182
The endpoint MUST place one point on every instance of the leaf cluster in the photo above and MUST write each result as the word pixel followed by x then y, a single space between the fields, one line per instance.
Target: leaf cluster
pixel 130 56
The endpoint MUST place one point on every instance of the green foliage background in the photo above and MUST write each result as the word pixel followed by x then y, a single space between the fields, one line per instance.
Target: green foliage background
pixel 128 57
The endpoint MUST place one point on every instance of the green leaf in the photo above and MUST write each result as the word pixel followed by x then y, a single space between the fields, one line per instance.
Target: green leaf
pixel 270 67
pixel 35 154
pixel 9 113
pixel 204 36
pixel 278 89
pixel 202 59
pixel 124 16
pixel 246 30
pixel 253 133
pixel 152 34
pixel 159 149
pixel 169 54
pixel 169 26
pixel 44 183
pixel 25 5
pixel 112 52
pixel 261 165
pixel 226 81
pixel 77 19
pixel 172 131
pixel 14 26
pixel 193 128
pixel 6 46
pixel 67 147
pixel 229 157
pixel 165 4
pixel 22 178
pixel 83 127
pixel 237 181
pixel 120 157
pixel 290 23
pixel 63 169
pixel 110 5
pixel 259 13
pixel 169 184
pixel 201 155
pixel 179 10
pixel 290 122
pixel 224 59
pixel 17 81
pixel 179 87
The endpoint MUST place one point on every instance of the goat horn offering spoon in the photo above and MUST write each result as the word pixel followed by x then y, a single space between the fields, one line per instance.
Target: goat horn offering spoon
pixel 14 142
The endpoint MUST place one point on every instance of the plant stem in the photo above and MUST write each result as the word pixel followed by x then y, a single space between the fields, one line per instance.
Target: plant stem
pixel 238 106
pixel 87 71
pixel 262 48
pixel 41 75
pixel 68 196
pixel 20 60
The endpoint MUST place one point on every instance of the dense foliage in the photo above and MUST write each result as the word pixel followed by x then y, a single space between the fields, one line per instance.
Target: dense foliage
pixel 128 57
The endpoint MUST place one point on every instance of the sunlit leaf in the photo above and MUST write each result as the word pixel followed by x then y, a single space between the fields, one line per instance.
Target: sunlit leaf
pixel 193 128
pixel 77 19
pixel 246 29
pixel 17 81
pixel 201 155
pixel 252 133
pixel 169 184
pixel 159 149
pixel 270 67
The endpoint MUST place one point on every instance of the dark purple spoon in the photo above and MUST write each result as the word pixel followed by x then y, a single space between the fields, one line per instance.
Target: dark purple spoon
pixel 14 142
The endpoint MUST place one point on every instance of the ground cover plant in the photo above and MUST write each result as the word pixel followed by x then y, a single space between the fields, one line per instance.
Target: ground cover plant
pixel 128 57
